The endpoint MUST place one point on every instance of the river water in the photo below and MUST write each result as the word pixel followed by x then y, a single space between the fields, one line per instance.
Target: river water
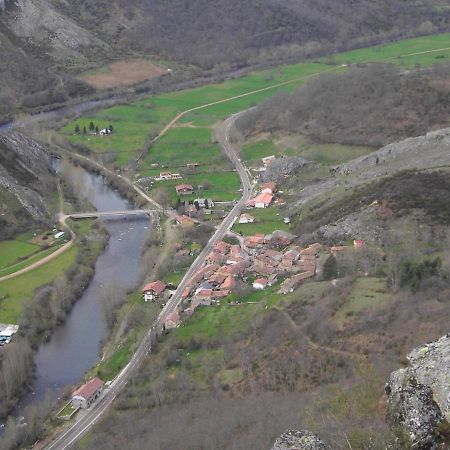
pixel 75 346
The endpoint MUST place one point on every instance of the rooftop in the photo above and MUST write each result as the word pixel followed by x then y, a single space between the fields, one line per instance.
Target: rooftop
pixel 88 389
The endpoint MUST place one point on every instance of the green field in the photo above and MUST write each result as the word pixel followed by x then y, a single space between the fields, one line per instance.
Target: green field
pixel 366 293
pixel 29 261
pixel 14 292
pixel 267 220
pixel 290 144
pixel 135 124
pixel 12 251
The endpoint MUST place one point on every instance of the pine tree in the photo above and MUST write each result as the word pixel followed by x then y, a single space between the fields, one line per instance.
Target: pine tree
pixel 91 126
pixel 330 268
pixel 77 128
pixel 96 128
pixel 84 130
pixel 111 129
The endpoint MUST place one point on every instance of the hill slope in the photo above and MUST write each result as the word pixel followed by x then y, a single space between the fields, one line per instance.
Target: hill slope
pixel 373 105
pixel 44 40
pixel 26 184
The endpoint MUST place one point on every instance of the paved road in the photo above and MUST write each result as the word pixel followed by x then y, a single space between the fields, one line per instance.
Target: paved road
pixel 91 416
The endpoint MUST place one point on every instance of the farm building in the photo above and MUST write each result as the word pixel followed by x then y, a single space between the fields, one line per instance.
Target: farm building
pixel 260 284
pixel 6 333
pixel 184 189
pixel 185 221
pixel 153 290
pixel 246 218
pixel 85 395
pixel 261 201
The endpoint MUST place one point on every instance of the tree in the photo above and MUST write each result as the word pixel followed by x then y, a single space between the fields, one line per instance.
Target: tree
pixel 111 129
pixel 330 268
pixel 77 128
pixel 91 126
pixel 84 130
pixel 161 196
pixel 96 128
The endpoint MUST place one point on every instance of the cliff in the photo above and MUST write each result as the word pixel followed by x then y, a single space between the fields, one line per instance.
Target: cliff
pixel 419 396
pixel 27 184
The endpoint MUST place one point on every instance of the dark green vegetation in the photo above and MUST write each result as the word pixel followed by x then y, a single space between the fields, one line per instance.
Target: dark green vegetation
pixel 371 105
pixel 45 44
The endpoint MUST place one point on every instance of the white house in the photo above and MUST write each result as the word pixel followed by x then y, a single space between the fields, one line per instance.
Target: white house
pixel 85 395
pixel 60 235
pixel 104 132
pixel 246 218
pixel 260 284
pixel 6 333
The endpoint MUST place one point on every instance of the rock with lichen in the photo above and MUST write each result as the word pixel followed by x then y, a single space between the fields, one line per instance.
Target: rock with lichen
pixel 299 440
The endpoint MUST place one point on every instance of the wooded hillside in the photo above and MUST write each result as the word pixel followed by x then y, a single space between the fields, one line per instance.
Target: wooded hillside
pixel 373 105
pixel 46 41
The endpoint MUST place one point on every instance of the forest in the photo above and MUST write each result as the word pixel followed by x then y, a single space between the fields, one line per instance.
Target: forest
pixel 370 105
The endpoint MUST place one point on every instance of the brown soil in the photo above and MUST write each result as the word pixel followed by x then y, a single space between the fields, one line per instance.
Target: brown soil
pixel 124 73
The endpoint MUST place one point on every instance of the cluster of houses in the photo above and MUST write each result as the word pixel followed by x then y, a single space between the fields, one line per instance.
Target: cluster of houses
pixel 164 176
pixel 260 259
pixel 265 198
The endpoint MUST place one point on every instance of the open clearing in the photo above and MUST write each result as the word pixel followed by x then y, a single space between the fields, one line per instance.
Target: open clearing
pixel 13 293
pixel 366 293
pixel 122 73
pixel 12 251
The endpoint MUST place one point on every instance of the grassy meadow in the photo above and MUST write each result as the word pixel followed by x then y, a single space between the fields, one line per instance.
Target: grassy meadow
pixel 137 123
pixel 15 292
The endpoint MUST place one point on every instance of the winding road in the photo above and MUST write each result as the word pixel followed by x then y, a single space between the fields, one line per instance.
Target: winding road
pixel 86 420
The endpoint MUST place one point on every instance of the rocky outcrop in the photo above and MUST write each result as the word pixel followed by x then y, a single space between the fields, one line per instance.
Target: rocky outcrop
pixel 299 440
pixel 419 396
pixel 283 167
pixel 27 183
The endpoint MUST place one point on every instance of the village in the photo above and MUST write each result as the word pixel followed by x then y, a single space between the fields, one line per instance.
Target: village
pixel 254 262
pixel 232 269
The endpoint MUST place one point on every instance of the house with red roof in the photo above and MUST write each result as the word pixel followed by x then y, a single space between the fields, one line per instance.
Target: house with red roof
pixel 173 321
pixel 184 189
pixel 228 284
pixel 153 290
pixel 85 395
pixel 261 201
pixel 260 283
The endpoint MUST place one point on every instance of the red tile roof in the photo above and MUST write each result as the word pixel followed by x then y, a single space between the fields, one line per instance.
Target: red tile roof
pixel 158 287
pixel 183 187
pixel 88 389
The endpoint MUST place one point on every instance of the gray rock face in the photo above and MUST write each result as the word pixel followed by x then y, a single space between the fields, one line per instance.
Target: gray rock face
pixel 418 396
pixel 299 440
pixel 26 182
pixel 431 364
pixel 283 167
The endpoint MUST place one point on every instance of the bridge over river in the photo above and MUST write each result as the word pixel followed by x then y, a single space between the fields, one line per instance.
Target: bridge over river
pixel 124 213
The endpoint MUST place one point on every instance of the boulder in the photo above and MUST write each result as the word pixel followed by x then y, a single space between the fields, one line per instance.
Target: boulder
pixel 299 440
pixel 418 396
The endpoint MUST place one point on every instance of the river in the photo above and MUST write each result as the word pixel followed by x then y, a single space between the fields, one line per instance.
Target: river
pixel 75 346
